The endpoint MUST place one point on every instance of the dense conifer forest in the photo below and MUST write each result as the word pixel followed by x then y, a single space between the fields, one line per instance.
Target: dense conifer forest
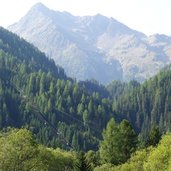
pixel 121 126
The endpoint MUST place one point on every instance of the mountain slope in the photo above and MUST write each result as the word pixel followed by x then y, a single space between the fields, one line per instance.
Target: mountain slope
pixel 27 53
pixel 148 104
pixel 94 46
pixel 60 40
pixel 36 94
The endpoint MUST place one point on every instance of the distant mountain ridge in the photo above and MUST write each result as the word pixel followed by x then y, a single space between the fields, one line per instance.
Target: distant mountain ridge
pixel 94 47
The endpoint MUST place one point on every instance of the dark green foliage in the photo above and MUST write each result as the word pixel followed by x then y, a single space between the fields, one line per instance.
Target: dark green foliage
pixel 118 88
pixel 109 147
pixel 119 141
pixel 82 164
pixel 94 87
pixel 148 104
pixel 35 93
pixel 128 140
pixel 156 158
pixel 154 136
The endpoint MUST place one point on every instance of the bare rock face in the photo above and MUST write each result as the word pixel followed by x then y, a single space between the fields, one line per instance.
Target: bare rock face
pixel 94 47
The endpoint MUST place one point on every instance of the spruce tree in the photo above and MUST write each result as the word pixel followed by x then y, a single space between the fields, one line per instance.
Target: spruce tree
pixel 82 164
pixel 119 141
pixel 154 136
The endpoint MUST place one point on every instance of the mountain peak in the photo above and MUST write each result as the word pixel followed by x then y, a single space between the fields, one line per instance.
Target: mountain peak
pixel 83 45
pixel 39 7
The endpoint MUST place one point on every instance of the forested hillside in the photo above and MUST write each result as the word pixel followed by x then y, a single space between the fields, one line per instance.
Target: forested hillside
pixel 148 104
pixel 112 124
pixel 38 95
pixel 156 158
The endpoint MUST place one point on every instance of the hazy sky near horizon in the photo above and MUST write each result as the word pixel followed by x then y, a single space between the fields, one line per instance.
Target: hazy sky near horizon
pixel 147 16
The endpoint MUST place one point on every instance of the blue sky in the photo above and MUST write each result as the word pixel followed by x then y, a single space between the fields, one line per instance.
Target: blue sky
pixel 147 16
